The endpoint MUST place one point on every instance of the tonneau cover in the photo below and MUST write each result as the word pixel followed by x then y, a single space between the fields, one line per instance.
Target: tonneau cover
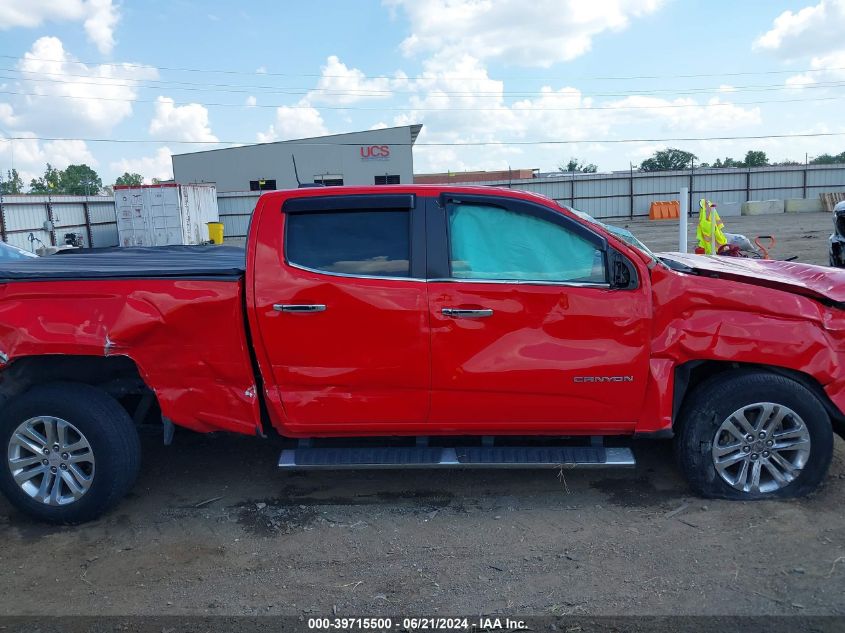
pixel 150 262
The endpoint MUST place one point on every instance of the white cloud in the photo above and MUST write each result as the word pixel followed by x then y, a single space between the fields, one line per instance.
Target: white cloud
pixel 30 156
pixel 68 152
pixel 159 165
pixel 825 68
pixel 182 123
pixel 99 17
pixel 460 103
pixel 541 33
pixel 250 101
pixel 340 84
pixel 91 98
pixel 7 116
pixel 813 30
pixel 685 114
pixel 299 121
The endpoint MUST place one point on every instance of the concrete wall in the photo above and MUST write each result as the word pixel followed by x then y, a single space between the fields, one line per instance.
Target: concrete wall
pixel 357 158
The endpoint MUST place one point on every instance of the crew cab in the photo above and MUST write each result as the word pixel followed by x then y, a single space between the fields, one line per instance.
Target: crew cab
pixel 418 327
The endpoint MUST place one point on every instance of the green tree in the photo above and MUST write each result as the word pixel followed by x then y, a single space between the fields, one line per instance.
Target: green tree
pixel 728 162
pixel 667 159
pixel 828 159
pixel 755 158
pixel 13 183
pixel 50 182
pixel 80 180
pixel 127 179
pixel 575 165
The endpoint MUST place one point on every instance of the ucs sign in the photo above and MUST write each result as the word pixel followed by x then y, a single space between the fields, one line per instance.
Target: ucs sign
pixel 375 152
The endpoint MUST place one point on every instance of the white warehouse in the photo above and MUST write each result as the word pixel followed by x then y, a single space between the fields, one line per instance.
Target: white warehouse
pixel 382 156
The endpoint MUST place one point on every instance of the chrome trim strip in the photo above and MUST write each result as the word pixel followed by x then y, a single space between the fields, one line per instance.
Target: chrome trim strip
pixel 524 282
pixel 347 275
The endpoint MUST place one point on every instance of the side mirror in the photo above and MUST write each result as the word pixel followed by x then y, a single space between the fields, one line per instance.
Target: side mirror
pixel 621 273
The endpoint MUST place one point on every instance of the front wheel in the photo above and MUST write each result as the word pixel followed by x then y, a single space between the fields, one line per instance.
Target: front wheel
pixel 71 452
pixel 753 435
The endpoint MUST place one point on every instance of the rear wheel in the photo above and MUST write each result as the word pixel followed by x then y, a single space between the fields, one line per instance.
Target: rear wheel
pixel 753 435
pixel 71 452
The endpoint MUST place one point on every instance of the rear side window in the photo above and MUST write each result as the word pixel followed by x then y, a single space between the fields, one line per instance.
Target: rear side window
pixel 373 243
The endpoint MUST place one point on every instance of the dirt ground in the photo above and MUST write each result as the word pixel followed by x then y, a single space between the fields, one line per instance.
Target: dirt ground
pixel 213 528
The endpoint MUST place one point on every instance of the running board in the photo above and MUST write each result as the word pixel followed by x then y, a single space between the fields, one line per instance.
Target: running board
pixel 468 457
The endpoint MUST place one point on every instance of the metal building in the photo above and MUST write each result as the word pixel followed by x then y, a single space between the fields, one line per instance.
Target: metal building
pixel 377 157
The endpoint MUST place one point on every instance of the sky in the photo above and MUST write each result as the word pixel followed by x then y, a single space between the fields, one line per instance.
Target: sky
pixel 497 84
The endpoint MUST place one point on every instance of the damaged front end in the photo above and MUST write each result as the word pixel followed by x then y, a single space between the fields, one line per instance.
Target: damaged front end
pixel 837 238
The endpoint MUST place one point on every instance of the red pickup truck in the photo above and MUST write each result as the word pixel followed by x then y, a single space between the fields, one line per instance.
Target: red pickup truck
pixel 419 327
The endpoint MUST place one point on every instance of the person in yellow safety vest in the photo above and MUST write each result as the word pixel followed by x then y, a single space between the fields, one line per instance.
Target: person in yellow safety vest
pixel 709 222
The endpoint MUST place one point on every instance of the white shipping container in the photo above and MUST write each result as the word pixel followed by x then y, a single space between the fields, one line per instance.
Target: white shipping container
pixel 159 215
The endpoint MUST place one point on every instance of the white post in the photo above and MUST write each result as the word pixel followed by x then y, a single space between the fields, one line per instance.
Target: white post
pixel 712 228
pixel 682 216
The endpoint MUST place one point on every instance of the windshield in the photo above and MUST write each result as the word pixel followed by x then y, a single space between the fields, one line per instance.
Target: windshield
pixel 624 234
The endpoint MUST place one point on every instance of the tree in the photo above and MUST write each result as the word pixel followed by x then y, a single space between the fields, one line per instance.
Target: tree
pixel 50 182
pixel 828 159
pixel 754 158
pixel 132 180
pixel 575 165
pixel 80 180
pixel 667 159
pixel 728 162
pixel 13 183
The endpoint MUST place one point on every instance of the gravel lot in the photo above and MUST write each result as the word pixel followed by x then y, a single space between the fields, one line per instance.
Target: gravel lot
pixel 213 528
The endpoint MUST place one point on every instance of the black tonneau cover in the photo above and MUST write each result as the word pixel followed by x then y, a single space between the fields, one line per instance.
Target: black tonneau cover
pixel 149 262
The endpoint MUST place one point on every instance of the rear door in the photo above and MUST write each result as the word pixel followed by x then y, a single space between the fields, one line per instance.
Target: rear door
pixel 527 333
pixel 341 307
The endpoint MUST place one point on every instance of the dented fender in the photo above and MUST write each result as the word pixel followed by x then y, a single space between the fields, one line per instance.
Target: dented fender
pixel 704 318
pixel 187 338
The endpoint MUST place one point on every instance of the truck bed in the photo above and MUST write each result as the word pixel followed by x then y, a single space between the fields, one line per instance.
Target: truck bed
pixel 161 262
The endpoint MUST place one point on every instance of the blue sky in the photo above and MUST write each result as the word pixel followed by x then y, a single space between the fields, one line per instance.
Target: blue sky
pixel 481 71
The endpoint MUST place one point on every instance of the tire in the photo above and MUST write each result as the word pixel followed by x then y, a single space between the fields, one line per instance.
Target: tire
pixel 102 463
pixel 711 426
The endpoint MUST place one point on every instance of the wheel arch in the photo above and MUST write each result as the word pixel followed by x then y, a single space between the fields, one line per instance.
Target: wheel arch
pixel 687 376
pixel 117 375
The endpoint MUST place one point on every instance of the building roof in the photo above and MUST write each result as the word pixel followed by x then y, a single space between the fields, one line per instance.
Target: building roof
pixel 316 140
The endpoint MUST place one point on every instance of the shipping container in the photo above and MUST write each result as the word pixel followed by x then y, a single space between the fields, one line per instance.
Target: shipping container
pixel 160 215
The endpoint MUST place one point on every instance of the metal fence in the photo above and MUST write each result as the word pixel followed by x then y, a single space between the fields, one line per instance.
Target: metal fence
pixel 629 194
pixel 618 194
pixel 23 219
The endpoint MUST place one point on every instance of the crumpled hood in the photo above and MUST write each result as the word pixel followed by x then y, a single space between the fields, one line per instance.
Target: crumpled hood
pixel 819 282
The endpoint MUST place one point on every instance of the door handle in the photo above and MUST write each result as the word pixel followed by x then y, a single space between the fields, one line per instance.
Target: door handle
pixel 460 313
pixel 303 308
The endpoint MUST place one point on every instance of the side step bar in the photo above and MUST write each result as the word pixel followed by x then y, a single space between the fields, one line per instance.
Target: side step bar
pixel 306 458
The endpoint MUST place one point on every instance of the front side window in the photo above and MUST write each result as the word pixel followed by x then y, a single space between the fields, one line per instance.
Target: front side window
pixel 487 242
pixel 374 243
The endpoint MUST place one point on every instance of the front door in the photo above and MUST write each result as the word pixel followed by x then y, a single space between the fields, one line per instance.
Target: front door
pixel 527 334
pixel 341 308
